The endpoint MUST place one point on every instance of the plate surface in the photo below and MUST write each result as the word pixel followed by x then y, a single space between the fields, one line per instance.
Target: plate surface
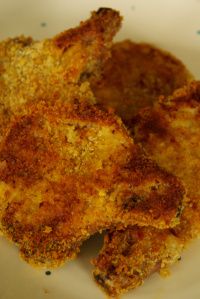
pixel 173 25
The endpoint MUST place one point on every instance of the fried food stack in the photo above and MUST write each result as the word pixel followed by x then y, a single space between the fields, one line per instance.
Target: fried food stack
pixel 78 157
pixel 168 129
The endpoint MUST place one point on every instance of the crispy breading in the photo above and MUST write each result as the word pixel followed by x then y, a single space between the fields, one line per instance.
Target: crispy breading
pixel 53 68
pixel 69 170
pixel 135 75
pixel 130 256
pixel 169 133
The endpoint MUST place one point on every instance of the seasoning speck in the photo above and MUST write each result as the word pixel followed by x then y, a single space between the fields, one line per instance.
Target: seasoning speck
pixel 132 7
pixel 46 291
pixel 48 272
pixel 43 24
pixel 198 31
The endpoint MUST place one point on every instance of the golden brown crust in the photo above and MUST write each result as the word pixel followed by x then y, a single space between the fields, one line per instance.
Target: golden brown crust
pixel 169 132
pixel 52 68
pixel 129 256
pixel 103 25
pixel 155 191
pixel 69 170
pixel 134 77
pixel 93 38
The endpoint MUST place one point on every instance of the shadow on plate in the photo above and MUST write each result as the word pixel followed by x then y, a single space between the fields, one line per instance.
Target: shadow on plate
pixel 89 250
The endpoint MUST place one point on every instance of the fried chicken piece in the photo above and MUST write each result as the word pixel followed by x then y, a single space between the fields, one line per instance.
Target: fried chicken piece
pixel 169 133
pixel 130 256
pixel 69 170
pixel 135 75
pixel 53 68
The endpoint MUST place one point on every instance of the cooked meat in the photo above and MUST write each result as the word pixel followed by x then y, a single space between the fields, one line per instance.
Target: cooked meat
pixel 135 75
pixel 57 67
pixel 130 256
pixel 169 132
pixel 69 170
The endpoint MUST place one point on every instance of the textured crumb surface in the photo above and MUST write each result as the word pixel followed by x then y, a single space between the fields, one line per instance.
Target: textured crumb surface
pixel 169 134
pixel 134 77
pixel 57 172
pixel 69 170
pixel 54 68
pixel 130 256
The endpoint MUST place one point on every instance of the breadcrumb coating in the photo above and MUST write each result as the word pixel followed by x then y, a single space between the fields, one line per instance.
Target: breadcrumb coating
pixel 169 134
pixel 56 68
pixel 69 170
pixel 135 76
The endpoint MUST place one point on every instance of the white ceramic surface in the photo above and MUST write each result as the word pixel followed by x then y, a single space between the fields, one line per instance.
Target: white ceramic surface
pixel 171 24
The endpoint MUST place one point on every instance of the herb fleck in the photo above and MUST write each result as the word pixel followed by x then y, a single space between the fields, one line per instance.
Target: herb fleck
pixel 43 24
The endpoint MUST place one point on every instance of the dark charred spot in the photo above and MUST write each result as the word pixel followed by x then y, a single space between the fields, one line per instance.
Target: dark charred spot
pixel 153 188
pixel 179 211
pixel 41 204
pixel 136 273
pixel 127 251
pixel 111 269
pixel 135 198
pixel 102 10
pixel 101 280
pixel 197 94
pixel 132 201
pixel 23 41
pixel 173 232
pixel 85 76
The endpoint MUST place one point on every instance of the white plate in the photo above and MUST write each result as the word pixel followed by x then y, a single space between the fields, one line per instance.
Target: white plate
pixel 173 25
